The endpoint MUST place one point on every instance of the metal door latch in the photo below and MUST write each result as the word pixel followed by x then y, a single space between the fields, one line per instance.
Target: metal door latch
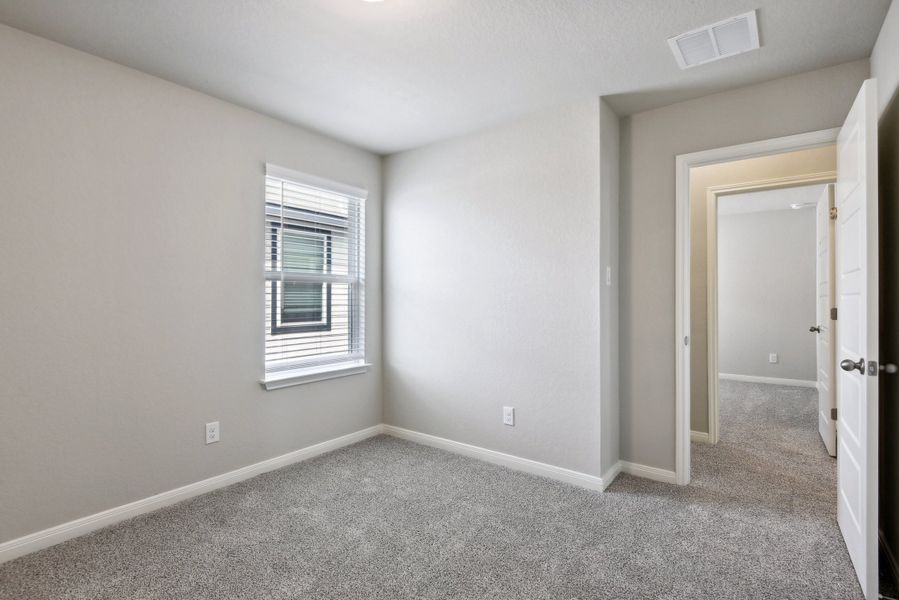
pixel 849 365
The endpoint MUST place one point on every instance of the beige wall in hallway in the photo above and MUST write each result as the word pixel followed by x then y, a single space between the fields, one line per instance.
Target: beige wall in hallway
pixel 741 172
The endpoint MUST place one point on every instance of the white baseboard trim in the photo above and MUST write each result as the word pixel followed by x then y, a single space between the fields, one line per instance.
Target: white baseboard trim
pixel 771 380
pixel 653 473
pixel 591 482
pixel 609 476
pixel 699 436
pixel 66 531
pixel 54 535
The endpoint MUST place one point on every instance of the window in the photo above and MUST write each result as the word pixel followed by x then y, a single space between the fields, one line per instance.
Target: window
pixel 299 305
pixel 314 278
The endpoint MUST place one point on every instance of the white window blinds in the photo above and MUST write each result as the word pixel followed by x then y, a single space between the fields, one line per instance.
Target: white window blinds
pixel 314 272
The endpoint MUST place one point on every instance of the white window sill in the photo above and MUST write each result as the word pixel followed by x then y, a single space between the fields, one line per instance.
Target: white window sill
pixel 276 381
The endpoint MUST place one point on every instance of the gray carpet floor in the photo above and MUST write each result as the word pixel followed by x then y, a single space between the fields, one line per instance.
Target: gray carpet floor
pixel 390 519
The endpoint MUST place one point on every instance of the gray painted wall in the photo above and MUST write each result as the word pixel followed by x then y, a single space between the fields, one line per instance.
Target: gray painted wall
pixel 766 293
pixel 131 252
pixel 650 141
pixel 884 61
pixel 492 288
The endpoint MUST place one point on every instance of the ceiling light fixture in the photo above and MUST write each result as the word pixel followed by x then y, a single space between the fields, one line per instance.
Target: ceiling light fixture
pixel 716 41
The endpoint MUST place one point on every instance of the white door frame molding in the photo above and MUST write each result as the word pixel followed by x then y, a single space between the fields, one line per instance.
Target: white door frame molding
pixel 683 163
pixel 825 301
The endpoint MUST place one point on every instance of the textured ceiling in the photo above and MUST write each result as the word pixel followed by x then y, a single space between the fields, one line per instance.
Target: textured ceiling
pixel 751 202
pixel 401 73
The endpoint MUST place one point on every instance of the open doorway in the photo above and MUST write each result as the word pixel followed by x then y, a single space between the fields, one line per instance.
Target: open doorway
pixel 756 349
pixel 771 339
pixel 761 288
pixel 761 226
pixel 754 400
pixel 769 334
pixel 691 267
pixel 769 297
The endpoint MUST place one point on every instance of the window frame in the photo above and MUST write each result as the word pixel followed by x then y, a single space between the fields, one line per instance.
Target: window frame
pixel 276 327
pixel 278 372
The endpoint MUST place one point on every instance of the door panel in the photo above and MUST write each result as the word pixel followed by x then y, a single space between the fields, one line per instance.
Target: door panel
pixel 824 280
pixel 857 337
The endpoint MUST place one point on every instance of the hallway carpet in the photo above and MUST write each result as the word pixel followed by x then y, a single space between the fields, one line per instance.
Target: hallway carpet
pixel 389 519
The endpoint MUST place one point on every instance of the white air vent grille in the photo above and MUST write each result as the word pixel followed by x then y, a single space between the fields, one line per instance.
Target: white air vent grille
pixel 716 41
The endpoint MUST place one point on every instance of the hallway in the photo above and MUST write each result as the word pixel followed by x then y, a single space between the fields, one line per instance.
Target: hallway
pixel 759 517
pixel 769 450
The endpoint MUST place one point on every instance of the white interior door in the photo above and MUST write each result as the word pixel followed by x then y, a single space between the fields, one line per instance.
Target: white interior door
pixel 824 327
pixel 856 284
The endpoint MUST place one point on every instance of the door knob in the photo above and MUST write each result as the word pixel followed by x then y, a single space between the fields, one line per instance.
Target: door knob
pixel 815 329
pixel 849 365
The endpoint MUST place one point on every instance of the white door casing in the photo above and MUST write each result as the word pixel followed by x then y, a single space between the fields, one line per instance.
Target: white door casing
pixel 825 337
pixel 857 336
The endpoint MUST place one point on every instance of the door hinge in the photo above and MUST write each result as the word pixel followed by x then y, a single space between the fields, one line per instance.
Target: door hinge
pixel 833 314
pixel 833 212
pixel 833 414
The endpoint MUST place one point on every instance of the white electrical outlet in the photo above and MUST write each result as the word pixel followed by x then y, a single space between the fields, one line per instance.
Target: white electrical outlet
pixel 213 433
pixel 509 416
pixel 772 358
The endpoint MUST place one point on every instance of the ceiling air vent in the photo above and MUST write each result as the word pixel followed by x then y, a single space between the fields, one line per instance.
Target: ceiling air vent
pixel 716 41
